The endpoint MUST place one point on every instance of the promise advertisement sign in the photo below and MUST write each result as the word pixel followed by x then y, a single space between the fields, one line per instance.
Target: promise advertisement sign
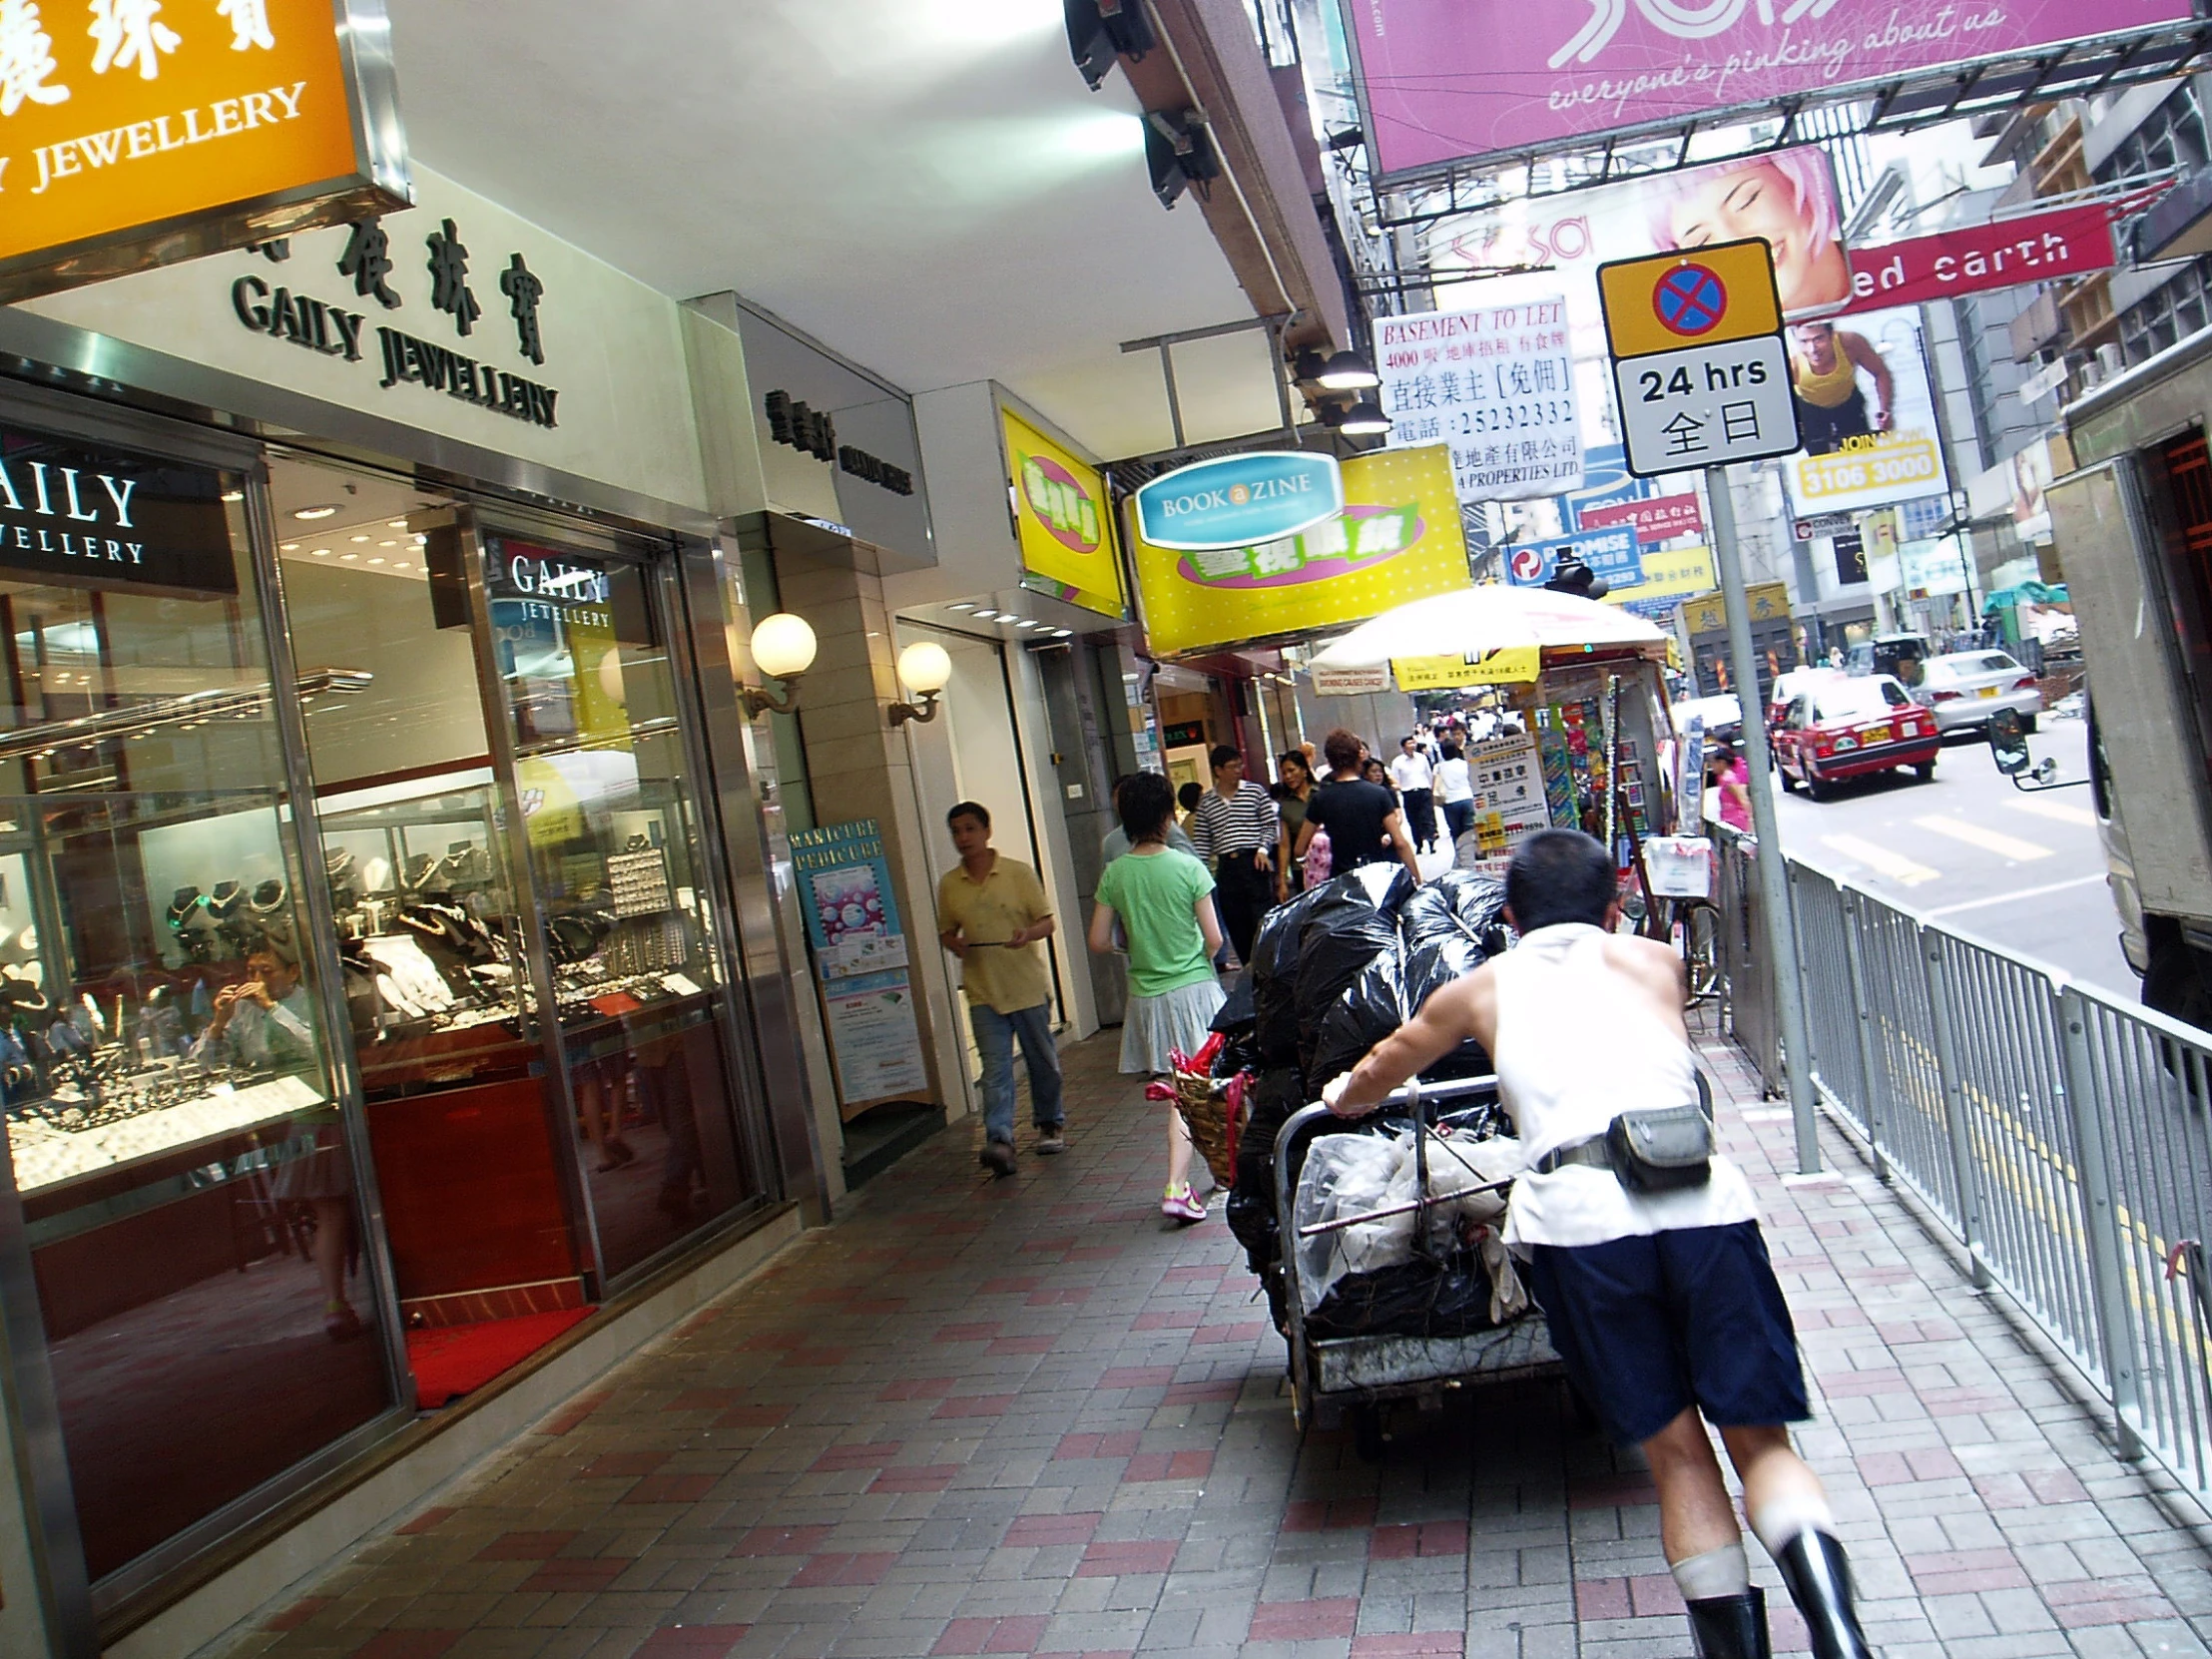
pixel 1453 79
pixel 135 133
pixel 1865 415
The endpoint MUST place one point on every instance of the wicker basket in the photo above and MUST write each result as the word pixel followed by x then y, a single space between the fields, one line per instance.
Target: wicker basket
pixel 1212 1110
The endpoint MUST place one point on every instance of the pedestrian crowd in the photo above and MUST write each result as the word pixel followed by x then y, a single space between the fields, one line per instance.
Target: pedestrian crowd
pixel 1639 1242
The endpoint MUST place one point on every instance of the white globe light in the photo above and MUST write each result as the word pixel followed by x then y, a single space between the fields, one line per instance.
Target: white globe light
pixel 782 645
pixel 924 667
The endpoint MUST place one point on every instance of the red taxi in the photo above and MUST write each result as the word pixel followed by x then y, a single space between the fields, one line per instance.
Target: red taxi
pixel 1848 728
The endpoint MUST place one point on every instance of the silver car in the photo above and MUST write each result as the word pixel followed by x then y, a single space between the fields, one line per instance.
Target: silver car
pixel 1964 689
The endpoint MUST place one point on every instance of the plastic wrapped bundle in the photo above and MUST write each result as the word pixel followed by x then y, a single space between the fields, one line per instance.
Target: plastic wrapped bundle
pixel 1355 922
pixel 1457 904
pixel 1428 969
pixel 1275 1094
pixel 1240 1050
pixel 1274 974
pixel 1370 1009
pixel 1441 1272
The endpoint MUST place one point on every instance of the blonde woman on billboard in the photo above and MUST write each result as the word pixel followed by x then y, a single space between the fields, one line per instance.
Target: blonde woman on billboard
pixel 1787 199
pixel 1824 373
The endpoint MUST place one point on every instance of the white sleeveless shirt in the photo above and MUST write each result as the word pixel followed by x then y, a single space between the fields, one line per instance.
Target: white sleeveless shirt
pixel 1577 1045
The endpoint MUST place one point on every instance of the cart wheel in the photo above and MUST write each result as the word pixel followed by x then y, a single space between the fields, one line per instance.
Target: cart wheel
pixel 1367 1434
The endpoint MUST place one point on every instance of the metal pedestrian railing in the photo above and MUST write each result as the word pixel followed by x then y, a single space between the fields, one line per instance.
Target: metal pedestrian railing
pixel 2062 1136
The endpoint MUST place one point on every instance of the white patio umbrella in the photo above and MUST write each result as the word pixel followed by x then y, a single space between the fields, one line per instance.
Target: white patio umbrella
pixel 1484 619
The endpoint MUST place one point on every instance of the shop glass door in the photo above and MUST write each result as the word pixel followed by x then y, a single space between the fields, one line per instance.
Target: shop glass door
pixel 174 1130
pixel 440 964
pixel 585 659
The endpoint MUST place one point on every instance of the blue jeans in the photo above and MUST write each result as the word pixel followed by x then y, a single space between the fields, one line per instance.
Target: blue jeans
pixel 994 1041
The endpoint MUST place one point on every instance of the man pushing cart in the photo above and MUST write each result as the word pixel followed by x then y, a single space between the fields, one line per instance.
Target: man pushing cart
pixel 1641 1243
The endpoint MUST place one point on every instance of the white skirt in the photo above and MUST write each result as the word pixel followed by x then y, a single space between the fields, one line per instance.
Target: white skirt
pixel 1156 1025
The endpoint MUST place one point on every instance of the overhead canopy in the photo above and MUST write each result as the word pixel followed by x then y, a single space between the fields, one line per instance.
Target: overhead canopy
pixel 1478 622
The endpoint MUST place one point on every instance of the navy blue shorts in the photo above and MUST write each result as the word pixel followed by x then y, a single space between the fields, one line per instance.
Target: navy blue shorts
pixel 1649 1327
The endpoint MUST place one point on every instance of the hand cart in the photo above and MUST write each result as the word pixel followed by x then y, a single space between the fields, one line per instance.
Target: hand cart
pixel 1364 1373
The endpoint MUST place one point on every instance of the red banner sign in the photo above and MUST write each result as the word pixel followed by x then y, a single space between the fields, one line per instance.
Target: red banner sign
pixel 2035 248
pixel 1654 519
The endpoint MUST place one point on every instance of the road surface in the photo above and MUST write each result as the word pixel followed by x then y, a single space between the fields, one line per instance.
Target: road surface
pixel 2021 870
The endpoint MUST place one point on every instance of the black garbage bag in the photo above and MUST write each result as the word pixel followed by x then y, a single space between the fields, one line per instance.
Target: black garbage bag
pixel 1420 1298
pixel 1458 904
pixel 1236 1015
pixel 1275 1094
pixel 1428 969
pixel 1275 977
pixel 1356 921
pixel 1370 1009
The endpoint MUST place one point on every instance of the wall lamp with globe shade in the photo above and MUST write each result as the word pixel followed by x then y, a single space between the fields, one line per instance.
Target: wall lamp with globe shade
pixel 924 668
pixel 783 649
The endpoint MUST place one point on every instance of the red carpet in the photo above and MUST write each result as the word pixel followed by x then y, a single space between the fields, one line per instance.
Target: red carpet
pixel 449 1361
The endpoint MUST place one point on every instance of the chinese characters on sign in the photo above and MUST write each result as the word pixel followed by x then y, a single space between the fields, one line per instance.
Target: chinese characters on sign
pixel 1654 518
pixel 811 432
pixel 314 324
pixel 1496 384
pixel 140 132
pixel 1359 535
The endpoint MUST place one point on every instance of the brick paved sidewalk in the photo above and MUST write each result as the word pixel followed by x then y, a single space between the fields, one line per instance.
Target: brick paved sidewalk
pixel 1025 1418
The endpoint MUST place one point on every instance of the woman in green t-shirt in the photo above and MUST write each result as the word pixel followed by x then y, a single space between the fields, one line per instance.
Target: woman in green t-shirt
pixel 1162 903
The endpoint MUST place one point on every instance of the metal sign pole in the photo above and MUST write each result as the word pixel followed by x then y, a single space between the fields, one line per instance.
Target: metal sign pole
pixel 1774 878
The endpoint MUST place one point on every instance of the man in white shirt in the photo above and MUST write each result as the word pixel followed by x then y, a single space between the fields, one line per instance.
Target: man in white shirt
pixel 1416 781
pixel 1663 1305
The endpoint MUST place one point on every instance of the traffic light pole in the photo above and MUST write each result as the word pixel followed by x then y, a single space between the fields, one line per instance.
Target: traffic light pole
pixel 1774 876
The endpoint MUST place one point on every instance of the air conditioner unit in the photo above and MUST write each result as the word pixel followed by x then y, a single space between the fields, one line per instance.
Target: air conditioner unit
pixel 2111 361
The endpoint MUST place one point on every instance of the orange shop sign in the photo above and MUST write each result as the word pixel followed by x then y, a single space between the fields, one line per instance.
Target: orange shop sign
pixel 137 133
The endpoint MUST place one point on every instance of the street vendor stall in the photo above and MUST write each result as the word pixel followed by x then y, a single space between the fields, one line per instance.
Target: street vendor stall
pixel 1596 743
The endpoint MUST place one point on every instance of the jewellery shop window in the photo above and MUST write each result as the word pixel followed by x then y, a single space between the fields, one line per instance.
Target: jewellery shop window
pixel 167 1086
pixel 582 651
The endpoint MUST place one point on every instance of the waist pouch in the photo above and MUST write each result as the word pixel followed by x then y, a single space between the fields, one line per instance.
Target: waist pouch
pixel 1664 1150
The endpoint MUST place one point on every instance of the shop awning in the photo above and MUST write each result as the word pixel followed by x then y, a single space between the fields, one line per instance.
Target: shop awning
pixel 1477 623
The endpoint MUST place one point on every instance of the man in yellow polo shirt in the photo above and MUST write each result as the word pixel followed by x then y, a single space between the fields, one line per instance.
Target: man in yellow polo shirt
pixel 992 913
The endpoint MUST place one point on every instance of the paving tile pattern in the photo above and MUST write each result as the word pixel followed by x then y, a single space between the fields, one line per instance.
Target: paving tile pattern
pixel 1029 1417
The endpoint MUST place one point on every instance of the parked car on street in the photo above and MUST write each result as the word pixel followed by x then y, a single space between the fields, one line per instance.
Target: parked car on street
pixel 1850 727
pixel 1964 688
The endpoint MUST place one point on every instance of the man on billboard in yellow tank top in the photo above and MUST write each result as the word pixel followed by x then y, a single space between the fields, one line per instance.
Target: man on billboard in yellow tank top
pixel 1824 372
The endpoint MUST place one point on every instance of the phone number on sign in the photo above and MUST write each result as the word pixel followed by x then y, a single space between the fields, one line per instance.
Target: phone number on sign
pixel 1511 417
pixel 1848 474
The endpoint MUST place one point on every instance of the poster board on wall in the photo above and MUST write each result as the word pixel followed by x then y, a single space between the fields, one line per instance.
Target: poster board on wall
pixel 863 969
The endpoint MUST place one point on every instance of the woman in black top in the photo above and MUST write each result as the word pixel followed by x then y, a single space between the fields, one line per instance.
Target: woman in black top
pixel 1361 819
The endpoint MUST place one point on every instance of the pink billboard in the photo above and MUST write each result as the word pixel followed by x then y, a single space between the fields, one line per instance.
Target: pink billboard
pixel 1452 78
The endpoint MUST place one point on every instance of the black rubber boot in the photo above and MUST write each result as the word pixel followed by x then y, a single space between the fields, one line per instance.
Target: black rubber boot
pixel 1819 1575
pixel 1731 1627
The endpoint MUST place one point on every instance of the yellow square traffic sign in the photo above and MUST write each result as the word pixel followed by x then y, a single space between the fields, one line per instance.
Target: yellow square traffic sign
pixel 1694 296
